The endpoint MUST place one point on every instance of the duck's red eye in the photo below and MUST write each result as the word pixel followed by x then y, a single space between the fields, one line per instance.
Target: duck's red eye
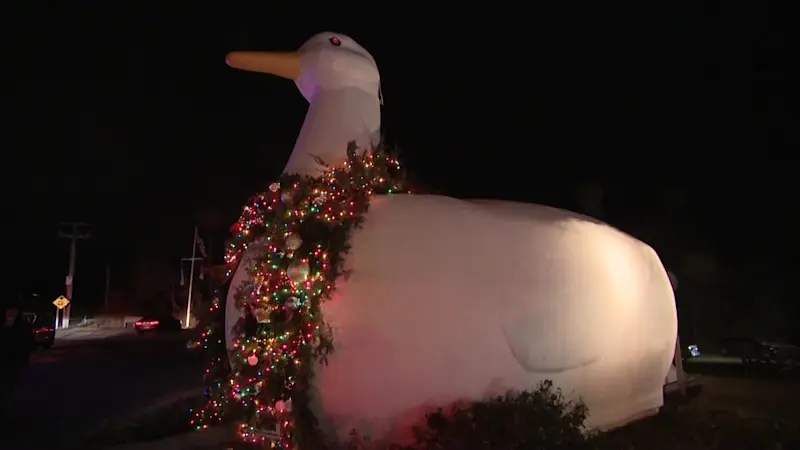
pixel 336 41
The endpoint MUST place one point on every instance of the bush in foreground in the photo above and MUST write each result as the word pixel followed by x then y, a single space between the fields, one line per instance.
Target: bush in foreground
pixel 539 419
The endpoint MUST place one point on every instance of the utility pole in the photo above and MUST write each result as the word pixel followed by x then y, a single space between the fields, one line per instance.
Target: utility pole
pixel 108 286
pixel 73 236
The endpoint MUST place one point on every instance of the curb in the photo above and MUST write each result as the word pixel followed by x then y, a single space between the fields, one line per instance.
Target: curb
pixel 138 413
pixel 164 402
pixel 89 334
pixel 210 439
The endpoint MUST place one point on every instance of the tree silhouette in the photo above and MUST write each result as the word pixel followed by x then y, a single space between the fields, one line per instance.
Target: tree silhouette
pixel 153 284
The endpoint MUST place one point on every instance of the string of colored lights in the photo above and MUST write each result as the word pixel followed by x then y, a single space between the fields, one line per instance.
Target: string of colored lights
pixel 302 226
pixel 215 374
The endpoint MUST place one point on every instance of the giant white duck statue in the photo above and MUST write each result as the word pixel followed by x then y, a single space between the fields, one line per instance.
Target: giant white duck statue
pixel 452 300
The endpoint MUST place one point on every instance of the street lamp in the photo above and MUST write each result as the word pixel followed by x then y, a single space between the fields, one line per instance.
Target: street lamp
pixel 197 242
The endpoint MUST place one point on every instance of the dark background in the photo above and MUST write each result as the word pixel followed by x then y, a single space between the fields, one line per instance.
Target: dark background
pixel 683 115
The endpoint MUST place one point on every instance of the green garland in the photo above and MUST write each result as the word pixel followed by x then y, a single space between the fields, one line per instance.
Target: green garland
pixel 304 226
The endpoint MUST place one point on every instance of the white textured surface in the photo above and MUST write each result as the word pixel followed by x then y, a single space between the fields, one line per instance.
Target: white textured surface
pixel 452 300
pixel 329 138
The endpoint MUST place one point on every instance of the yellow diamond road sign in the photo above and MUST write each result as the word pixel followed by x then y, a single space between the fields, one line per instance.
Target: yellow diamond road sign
pixel 61 302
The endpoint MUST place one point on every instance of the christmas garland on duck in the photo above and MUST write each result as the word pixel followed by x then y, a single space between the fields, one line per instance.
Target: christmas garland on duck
pixel 304 225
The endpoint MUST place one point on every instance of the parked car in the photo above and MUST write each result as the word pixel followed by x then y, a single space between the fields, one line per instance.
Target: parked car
pixel 763 351
pixel 44 332
pixel 784 352
pixel 157 323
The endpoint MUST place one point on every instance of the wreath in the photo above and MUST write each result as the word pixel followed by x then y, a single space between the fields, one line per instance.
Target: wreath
pixel 303 226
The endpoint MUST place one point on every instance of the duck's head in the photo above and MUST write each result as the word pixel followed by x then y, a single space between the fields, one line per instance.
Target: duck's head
pixel 327 61
pixel 341 83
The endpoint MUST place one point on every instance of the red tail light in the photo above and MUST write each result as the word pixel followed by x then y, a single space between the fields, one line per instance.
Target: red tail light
pixel 150 323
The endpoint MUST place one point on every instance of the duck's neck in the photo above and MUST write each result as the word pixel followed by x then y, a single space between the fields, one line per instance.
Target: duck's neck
pixel 334 119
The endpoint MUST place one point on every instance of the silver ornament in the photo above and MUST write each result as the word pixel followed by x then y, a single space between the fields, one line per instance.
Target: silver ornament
pixel 293 242
pixel 274 187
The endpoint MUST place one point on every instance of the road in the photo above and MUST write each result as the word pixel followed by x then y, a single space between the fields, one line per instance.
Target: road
pixel 91 377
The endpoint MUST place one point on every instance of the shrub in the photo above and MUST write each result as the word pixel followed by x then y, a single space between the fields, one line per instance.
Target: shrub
pixel 539 419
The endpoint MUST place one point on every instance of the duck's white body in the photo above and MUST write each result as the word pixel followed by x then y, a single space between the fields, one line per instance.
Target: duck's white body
pixel 455 300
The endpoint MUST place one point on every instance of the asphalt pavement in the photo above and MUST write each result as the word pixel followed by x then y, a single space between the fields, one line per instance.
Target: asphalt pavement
pixel 92 376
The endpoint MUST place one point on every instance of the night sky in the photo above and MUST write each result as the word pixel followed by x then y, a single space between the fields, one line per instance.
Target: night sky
pixel 124 115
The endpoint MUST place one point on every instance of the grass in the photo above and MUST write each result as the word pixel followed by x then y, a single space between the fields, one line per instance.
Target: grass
pixel 728 414
pixel 689 428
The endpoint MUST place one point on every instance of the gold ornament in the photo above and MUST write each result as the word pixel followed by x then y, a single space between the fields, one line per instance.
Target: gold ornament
pixel 298 271
pixel 261 314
